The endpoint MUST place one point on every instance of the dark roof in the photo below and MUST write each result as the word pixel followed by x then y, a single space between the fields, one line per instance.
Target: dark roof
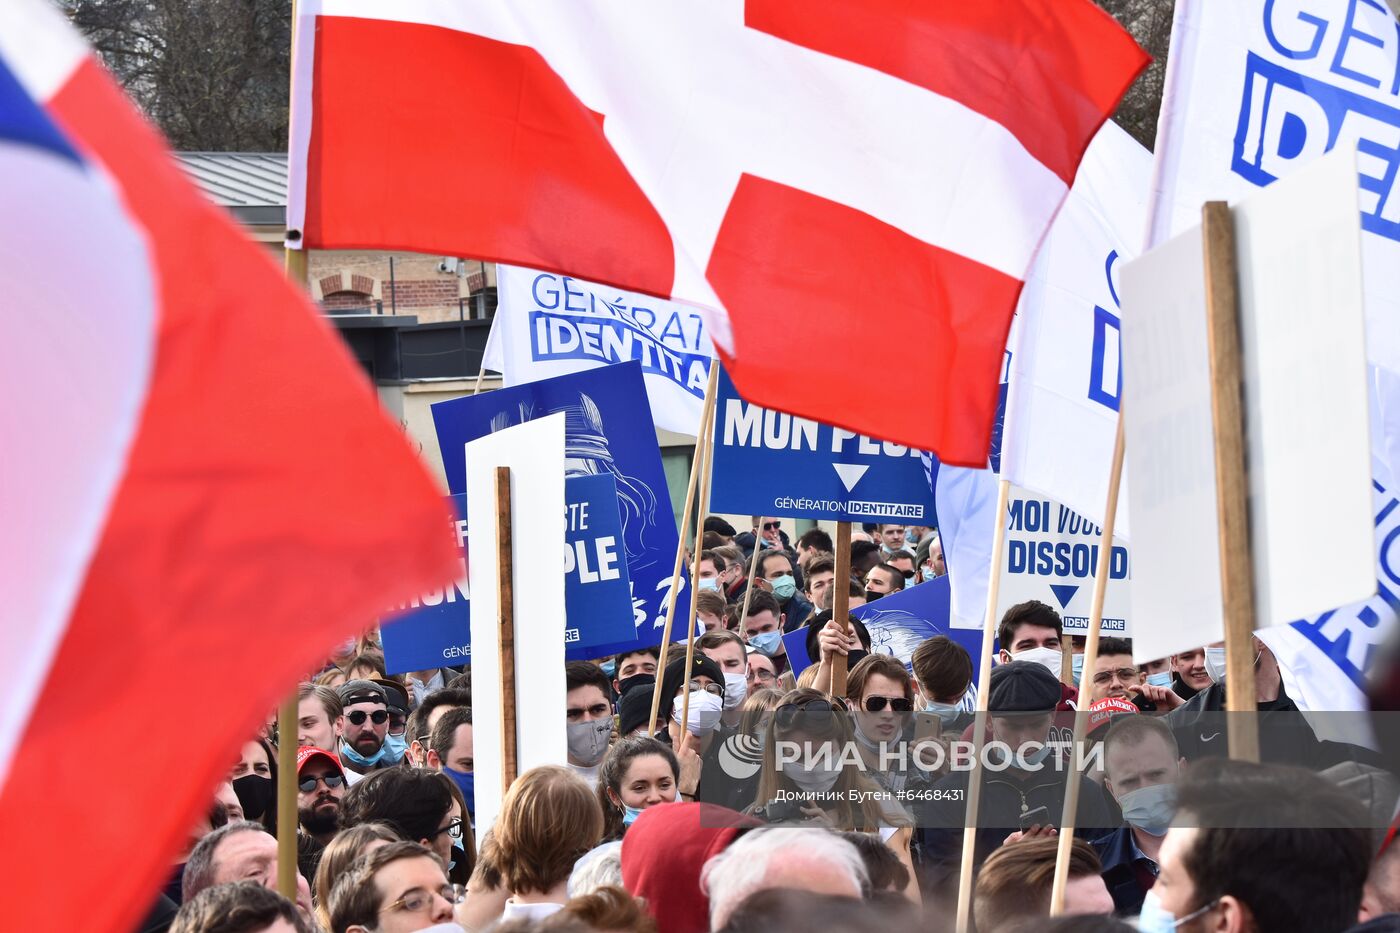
pixel 252 185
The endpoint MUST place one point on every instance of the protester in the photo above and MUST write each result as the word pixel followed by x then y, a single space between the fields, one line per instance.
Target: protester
pixel 665 851
pixel 228 797
pixel 804 860
pixel 425 718
pixel 696 734
pixel 548 818
pixel 318 717
pixel 486 890
pixel 888 874
pixel 733 580
pixel 1023 788
pixel 855 596
pixel 637 773
pixel 891 538
pixel 396 695
pixel 600 867
pixel 1031 631
pixel 1191 676
pixel 452 753
pixel 713 523
pixel 589 714
pixel 803 777
pixel 710 610
pixel 763 673
pixel 1115 674
pixel 423 684
pixel 728 651
pixel 882 694
pixel 348 845
pixel 254 780
pixel 367 665
pixel 708 571
pixel 333 678
pixel 882 580
pixel 1381 896
pixel 633 710
pixel 864 555
pixel 928 557
pixel 1142 767
pixel 812 542
pixel 818 576
pixel 635 667
pixel 364 725
pixel 1012 891
pixel 609 909
pixel 420 805
pixel 320 789
pixel 776 568
pixel 241 907
pixel 903 562
pixel 396 888
pixel 787 910
pixel 1259 849
pixel 827 639
pixel 763 628
pixel 237 852
pixel 943 677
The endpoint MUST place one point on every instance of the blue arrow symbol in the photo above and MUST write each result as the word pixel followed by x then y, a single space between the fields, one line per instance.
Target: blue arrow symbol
pixel 1064 592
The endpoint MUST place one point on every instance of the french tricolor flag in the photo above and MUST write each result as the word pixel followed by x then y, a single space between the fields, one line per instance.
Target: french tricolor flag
pixel 198 492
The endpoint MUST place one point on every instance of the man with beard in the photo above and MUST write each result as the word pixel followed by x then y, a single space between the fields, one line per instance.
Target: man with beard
pixel 363 726
pixel 320 787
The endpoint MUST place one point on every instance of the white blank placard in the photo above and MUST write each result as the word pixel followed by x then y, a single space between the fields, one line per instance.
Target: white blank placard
pixel 534 451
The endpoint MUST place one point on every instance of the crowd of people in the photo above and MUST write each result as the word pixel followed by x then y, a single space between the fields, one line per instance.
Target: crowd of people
pixel 760 798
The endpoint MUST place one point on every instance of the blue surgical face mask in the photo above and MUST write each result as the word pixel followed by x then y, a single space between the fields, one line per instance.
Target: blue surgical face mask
pixel 355 758
pixel 1160 679
pixel 1077 666
pixel 909 578
pixel 394 748
pixel 784 587
pixel 466 783
pixel 1150 808
pixel 1155 918
pixel 708 583
pixel 1039 755
pixel 609 667
pixel 767 642
pixel 630 814
pixel 927 573
pixel 947 713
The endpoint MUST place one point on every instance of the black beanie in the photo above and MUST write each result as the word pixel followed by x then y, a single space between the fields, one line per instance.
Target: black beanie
pixel 674 676
pixel 634 707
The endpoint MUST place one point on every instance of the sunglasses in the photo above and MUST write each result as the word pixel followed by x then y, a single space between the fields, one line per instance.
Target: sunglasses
pixel 896 704
pixel 819 712
pixel 307 785
pixel 358 717
pixel 772 526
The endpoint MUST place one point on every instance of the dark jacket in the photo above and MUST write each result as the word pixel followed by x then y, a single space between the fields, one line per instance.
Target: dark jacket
pixel 1182 689
pixel 795 612
pixel 1128 877
pixel 938 843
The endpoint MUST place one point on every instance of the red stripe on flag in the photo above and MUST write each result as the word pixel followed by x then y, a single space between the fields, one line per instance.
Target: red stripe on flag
pixel 435 140
pixel 1050 71
pixel 268 507
pixel 832 309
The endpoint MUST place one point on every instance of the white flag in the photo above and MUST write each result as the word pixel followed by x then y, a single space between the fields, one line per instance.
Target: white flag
pixel 550 325
pixel 1066 376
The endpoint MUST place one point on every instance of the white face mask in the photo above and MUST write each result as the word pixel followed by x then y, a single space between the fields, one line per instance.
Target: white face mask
pixel 1150 808
pixel 1215 664
pixel 1050 658
pixel 819 779
pixel 705 712
pixel 736 690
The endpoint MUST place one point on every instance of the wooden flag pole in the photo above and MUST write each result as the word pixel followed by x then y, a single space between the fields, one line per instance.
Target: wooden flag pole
pixel 706 416
pixel 841 603
pixel 703 484
pixel 1231 485
pixel 753 569
pixel 979 726
pixel 505 593
pixel 1091 656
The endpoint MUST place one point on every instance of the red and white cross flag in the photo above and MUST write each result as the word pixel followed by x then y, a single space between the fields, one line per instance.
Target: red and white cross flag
pixel 843 184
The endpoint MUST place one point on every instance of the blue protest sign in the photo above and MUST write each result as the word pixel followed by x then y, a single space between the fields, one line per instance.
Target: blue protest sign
pixel 434 629
pixel 900 622
pixel 771 463
pixel 795 644
pixel 609 431
pixel 597 588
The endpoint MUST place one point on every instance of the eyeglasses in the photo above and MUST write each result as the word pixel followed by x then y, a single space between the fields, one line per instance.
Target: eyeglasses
pixel 896 704
pixel 358 717
pixel 453 829
pixel 819 712
pixel 418 900
pixel 716 689
pixel 772 526
pixel 398 724
pixel 1122 673
pixel 762 676
pixel 307 784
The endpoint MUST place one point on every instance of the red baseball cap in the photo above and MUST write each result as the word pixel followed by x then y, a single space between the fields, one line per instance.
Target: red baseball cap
pixel 307 752
pixel 1102 711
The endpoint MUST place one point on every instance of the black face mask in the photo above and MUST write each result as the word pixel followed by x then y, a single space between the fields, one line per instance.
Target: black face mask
pixel 254 794
pixel 871 596
pixel 627 683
